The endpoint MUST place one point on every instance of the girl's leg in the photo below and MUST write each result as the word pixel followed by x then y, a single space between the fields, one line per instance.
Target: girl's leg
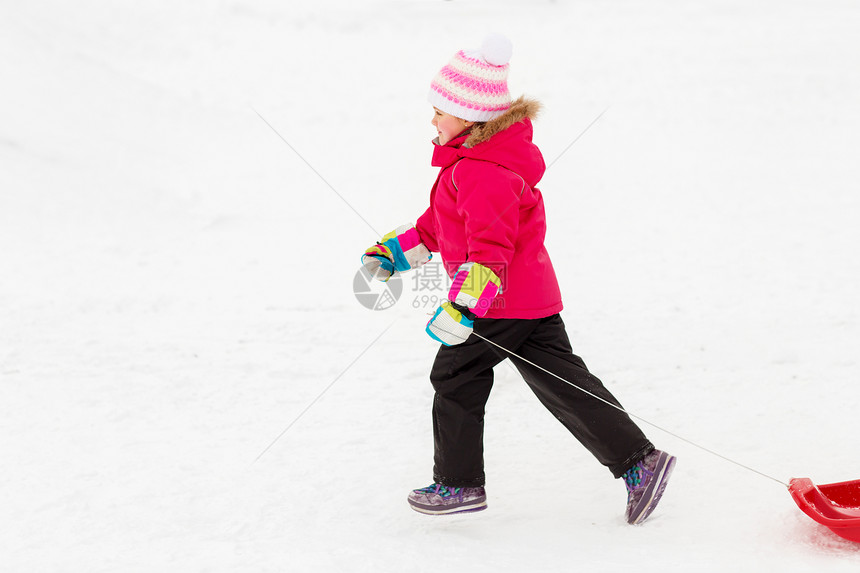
pixel 462 377
pixel 608 433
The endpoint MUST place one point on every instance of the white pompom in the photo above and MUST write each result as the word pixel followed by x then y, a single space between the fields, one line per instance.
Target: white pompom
pixel 497 49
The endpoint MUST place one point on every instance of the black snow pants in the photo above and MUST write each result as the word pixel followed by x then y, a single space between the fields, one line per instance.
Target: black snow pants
pixel 462 377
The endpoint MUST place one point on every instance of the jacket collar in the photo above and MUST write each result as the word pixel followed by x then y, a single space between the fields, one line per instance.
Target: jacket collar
pixel 448 154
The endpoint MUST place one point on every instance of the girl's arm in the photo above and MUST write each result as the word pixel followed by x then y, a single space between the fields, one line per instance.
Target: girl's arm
pixel 488 198
pixel 427 231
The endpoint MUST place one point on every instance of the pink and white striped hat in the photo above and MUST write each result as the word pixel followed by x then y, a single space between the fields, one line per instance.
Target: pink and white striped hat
pixel 474 84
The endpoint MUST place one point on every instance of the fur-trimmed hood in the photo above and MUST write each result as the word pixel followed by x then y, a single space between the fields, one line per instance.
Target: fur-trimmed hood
pixel 505 140
pixel 520 109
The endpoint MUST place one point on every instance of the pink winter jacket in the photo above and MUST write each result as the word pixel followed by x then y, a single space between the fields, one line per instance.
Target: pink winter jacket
pixel 484 208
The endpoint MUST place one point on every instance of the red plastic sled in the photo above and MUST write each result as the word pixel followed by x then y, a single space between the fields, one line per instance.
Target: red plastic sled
pixel 835 505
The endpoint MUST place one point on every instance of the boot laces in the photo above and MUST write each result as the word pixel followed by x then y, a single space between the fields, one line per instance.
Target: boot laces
pixel 634 477
pixel 440 490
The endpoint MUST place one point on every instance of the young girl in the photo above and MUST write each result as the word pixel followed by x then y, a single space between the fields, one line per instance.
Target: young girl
pixel 486 219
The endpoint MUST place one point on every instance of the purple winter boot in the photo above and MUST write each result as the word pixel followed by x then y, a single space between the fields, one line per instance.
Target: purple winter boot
pixel 437 499
pixel 645 483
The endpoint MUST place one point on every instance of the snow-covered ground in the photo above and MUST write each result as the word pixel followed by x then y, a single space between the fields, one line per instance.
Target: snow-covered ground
pixel 177 282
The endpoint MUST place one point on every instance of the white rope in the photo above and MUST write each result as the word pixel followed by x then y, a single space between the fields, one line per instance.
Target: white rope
pixel 641 419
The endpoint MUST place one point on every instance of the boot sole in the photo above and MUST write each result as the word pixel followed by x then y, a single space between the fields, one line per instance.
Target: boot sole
pixel 429 510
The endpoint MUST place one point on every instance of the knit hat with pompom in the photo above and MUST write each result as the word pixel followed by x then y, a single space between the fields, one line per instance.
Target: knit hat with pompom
pixel 474 84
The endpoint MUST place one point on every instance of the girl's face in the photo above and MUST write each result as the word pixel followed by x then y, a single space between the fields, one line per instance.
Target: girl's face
pixel 448 126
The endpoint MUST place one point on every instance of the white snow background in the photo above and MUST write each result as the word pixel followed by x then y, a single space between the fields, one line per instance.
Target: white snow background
pixel 176 282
